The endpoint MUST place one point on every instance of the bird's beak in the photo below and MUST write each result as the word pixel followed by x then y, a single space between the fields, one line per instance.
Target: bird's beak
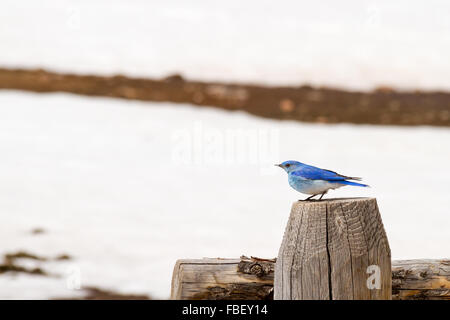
pixel 278 165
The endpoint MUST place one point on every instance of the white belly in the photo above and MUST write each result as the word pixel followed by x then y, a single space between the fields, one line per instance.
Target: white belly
pixel 313 186
pixel 320 186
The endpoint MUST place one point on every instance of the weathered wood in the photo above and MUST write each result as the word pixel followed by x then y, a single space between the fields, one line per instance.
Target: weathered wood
pixel 421 280
pixel 329 250
pixel 252 279
pixel 216 279
pixel 411 279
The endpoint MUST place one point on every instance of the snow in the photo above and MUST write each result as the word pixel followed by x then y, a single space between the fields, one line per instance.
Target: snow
pixel 354 44
pixel 128 187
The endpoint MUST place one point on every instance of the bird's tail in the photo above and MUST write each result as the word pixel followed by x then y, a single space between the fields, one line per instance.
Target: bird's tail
pixel 353 178
pixel 350 183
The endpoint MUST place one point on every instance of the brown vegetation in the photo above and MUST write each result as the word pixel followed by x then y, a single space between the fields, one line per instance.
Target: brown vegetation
pixel 93 293
pixel 10 264
pixel 304 103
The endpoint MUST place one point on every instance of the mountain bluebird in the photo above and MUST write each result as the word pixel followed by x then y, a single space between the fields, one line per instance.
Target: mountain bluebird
pixel 314 181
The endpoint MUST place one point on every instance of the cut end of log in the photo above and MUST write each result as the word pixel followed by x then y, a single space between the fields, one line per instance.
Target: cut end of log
pixel 335 200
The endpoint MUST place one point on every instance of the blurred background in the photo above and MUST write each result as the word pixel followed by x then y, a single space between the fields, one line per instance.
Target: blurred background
pixel 135 133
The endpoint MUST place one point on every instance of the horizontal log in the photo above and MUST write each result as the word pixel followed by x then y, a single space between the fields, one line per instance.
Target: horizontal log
pixel 252 279
pixel 219 279
pixel 421 280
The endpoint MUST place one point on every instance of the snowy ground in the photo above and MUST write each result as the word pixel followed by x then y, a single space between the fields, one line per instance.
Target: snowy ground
pixel 356 44
pixel 127 187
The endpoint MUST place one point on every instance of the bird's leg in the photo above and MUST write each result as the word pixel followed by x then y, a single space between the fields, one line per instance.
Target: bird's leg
pixel 322 195
pixel 311 196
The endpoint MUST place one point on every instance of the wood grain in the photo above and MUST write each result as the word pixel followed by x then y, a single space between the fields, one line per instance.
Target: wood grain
pixel 421 280
pixel 217 279
pixel 327 249
pixel 252 279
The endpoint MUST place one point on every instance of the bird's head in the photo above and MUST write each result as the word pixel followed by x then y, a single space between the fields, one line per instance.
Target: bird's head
pixel 289 165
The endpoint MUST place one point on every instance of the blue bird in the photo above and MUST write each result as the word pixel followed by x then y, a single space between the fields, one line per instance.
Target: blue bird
pixel 314 181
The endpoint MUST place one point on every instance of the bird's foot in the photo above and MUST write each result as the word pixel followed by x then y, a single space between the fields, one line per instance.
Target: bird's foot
pixel 311 198
pixel 322 195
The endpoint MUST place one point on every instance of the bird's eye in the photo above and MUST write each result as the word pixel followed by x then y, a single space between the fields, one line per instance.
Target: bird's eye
pixel 288 165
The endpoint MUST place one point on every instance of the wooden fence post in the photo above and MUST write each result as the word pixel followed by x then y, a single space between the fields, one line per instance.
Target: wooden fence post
pixel 334 249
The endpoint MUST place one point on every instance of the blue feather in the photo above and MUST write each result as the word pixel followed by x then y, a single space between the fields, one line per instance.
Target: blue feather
pixel 350 183
pixel 314 173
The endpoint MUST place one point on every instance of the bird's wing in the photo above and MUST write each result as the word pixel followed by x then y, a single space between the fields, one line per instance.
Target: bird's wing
pixel 314 173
